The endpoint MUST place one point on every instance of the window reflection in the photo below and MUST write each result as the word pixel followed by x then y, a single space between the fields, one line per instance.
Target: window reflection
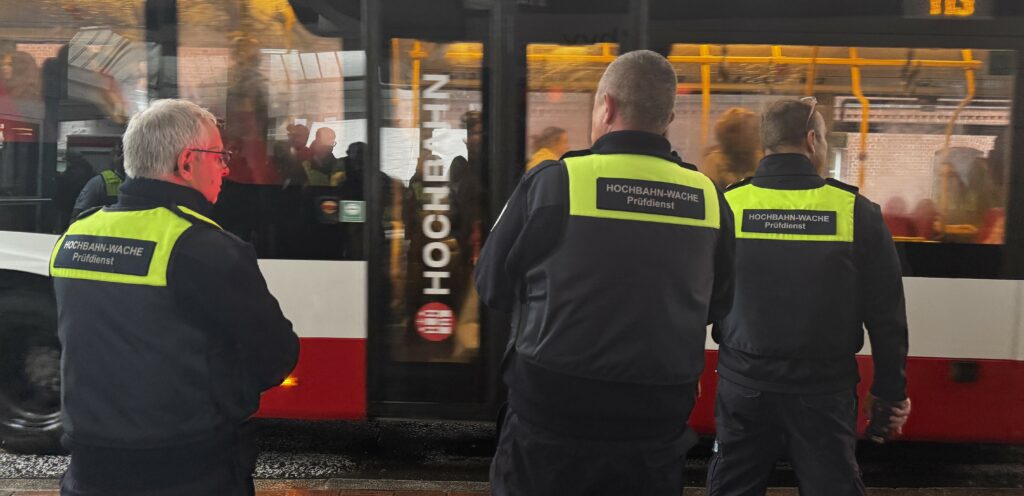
pixel 69 80
pixel 432 155
pixel 562 80
pixel 294 116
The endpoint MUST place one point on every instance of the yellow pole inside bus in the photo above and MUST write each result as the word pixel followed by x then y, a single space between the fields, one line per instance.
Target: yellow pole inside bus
pixel 705 92
pixel 947 168
pixel 809 84
pixel 865 106
pixel 416 54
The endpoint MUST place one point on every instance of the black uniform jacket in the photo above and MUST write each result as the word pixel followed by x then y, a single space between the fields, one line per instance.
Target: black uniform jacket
pixel 233 344
pixel 829 308
pixel 93 194
pixel 519 272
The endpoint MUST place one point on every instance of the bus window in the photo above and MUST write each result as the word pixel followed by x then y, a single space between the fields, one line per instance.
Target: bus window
pixel 294 114
pixel 431 146
pixel 921 132
pixel 562 80
pixel 63 74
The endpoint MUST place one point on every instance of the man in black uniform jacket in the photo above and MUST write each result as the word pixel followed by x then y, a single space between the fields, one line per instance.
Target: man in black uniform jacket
pixel 612 260
pixel 168 331
pixel 815 264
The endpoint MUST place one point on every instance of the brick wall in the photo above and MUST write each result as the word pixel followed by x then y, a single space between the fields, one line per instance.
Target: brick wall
pixel 40 51
pixel 900 165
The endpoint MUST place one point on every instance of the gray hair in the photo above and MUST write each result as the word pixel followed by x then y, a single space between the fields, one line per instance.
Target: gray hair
pixel 785 122
pixel 157 136
pixel 643 84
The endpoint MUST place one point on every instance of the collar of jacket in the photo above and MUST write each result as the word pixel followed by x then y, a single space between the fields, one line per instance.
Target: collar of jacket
pixel 634 143
pixel 141 193
pixel 791 169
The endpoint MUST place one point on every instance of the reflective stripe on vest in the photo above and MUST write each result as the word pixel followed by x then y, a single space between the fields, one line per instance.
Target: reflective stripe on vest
pixel 641 188
pixel 112 182
pixel 820 214
pixel 127 247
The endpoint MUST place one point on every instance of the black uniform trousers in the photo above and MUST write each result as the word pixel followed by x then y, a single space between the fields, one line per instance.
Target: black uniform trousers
pixel 533 461
pixel 228 475
pixel 815 432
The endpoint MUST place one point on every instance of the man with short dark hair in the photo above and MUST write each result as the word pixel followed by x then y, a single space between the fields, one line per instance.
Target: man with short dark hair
pixel 612 261
pixel 815 265
pixel 168 331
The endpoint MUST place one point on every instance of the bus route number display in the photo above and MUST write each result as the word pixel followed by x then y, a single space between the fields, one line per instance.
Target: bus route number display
pixel 948 9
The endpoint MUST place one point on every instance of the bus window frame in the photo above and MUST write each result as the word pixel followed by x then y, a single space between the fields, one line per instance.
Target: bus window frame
pixel 984 34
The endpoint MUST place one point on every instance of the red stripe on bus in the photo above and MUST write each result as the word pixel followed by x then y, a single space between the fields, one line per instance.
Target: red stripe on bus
pixel 988 409
pixel 330 383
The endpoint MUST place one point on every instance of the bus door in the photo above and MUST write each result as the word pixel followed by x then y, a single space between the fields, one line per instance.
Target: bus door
pixel 425 334
pixel 459 100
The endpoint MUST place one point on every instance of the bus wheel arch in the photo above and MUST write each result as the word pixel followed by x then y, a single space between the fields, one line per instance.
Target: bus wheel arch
pixel 29 372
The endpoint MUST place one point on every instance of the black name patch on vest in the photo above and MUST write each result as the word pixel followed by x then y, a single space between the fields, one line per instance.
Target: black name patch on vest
pixel 820 222
pixel 105 254
pixel 650 197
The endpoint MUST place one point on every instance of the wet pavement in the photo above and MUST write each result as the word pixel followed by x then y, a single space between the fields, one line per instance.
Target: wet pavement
pixel 362 487
pixel 454 457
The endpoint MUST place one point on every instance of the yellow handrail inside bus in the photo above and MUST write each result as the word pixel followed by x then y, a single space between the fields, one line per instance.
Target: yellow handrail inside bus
pixel 788 60
pixel 705 93
pixel 865 106
pixel 946 167
pixel 475 53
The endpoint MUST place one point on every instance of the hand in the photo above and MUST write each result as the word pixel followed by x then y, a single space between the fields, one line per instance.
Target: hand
pixel 900 413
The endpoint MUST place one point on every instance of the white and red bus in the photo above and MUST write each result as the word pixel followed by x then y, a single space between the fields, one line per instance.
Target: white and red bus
pixel 368 235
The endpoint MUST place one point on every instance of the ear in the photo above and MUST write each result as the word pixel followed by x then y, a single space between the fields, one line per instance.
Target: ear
pixel 185 160
pixel 611 109
pixel 810 140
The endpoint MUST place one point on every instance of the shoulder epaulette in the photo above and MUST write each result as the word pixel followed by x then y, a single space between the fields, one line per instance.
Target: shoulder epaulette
pixel 87 212
pixel 195 219
pixel 687 165
pixel 577 153
pixel 841 185
pixel 742 182
pixel 541 166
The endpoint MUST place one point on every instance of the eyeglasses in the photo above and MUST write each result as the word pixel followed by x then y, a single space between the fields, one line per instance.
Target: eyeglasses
pixel 813 102
pixel 225 156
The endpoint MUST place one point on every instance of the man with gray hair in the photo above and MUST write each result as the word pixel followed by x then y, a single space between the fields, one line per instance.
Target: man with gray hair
pixel 612 260
pixel 168 331
pixel 815 266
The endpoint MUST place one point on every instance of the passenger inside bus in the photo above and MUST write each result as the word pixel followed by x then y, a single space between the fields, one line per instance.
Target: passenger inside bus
pixel 738 150
pixel 550 144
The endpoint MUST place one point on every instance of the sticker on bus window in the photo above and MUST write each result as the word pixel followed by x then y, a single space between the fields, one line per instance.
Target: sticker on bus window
pixel 435 321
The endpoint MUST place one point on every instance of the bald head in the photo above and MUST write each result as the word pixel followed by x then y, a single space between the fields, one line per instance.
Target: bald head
pixel 637 92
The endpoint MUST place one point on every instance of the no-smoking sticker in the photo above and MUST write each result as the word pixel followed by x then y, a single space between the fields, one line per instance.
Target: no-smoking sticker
pixel 435 321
